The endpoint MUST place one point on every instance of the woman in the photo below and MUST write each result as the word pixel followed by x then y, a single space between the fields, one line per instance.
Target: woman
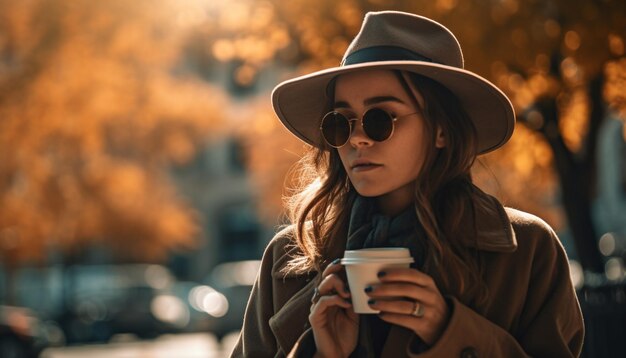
pixel 395 130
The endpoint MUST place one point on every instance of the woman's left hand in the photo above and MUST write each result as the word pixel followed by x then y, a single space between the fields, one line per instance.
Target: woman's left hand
pixel 411 299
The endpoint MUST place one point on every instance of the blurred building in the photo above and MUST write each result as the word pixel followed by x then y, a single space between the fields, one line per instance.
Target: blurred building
pixel 610 207
pixel 217 185
pixel 216 181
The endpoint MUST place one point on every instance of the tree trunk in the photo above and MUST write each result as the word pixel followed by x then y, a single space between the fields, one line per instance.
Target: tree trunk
pixel 574 177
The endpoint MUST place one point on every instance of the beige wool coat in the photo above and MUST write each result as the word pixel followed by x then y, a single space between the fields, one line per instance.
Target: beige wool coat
pixel 532 309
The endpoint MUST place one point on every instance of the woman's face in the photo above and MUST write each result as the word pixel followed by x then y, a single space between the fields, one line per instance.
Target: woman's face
pixel 387 169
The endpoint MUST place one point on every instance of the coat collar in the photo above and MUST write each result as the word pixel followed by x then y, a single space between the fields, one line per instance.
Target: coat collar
pixel 493 226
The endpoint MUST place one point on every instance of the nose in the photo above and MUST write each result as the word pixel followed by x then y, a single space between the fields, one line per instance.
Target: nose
pixel 358 137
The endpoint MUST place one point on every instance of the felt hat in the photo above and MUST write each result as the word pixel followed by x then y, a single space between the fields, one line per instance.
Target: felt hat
pixel 393 40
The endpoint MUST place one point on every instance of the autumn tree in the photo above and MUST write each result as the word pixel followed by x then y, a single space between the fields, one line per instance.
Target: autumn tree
pixel 548 56
pixel 93 112
pixel 554 74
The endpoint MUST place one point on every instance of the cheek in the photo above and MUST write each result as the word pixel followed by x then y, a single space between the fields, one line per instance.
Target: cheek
pixel 414 168
pixel 343 155
pixel 409 165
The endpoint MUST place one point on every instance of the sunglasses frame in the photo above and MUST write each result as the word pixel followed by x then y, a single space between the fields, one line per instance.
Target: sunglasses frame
pixel 350 121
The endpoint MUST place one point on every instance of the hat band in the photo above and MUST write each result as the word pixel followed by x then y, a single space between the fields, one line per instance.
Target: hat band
pixel 383 53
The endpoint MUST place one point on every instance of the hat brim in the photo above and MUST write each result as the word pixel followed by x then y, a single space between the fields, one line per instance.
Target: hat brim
pixel 301 102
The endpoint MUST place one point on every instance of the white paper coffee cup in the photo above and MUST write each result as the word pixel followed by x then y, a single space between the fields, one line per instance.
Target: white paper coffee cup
pixel 362 268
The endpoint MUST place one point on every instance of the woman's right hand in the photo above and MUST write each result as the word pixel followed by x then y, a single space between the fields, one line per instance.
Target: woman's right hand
pixel 335 325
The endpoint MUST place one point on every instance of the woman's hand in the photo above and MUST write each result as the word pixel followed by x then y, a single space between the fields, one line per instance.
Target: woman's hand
pixel 411 299
pixel 335 325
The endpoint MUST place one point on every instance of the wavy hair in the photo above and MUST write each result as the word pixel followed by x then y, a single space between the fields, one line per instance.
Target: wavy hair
pixel 319 207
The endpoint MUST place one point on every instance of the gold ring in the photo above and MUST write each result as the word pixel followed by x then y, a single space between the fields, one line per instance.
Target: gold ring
pixel 418 310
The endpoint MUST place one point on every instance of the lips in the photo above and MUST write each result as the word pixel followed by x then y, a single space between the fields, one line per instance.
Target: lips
pixel 364 164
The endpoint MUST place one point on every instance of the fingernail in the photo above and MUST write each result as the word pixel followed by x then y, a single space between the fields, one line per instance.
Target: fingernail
pixel 346 289
pixel 335 261
pixel 381 273
pixel 371 302
pixel 368 289
pixel 348 300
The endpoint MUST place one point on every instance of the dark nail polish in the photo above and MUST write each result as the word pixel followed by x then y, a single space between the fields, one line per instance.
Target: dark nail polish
pixel 348 300
pixel 381 273
pixel 346 289
pixel 335 261
pixel 368 289
pixel 371 302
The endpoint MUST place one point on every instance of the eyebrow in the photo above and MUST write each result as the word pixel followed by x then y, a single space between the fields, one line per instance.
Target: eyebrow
pixel 370 101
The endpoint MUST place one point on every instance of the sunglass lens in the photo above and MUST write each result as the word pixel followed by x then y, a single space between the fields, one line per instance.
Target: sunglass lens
pixel 378 124
pixel 335 129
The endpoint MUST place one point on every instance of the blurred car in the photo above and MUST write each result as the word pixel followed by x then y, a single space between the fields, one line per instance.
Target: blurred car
pixel 105 300
pixel 23 334
pixel 225 295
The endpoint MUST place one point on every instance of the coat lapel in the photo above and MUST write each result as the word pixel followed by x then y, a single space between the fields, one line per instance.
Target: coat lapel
pixel 292 319
pixel 492 224
pixel 396 343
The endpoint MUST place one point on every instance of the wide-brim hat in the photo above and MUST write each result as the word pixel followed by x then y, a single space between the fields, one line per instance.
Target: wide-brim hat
pixel 392 40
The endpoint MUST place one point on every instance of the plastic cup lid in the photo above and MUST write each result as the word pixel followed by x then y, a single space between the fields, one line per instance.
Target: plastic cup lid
pixel 364 261
pixel 378 253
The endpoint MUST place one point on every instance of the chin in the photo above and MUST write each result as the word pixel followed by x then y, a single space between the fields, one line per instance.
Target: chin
pixel 369 192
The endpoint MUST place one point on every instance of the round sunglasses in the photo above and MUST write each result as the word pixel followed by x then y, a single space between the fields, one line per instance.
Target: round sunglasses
pixel 377 123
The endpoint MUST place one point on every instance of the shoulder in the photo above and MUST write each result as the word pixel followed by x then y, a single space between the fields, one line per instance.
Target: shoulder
pixel 281 245
pixel 522 220
pixel 283 238
pixel 281 250
pixel 534 234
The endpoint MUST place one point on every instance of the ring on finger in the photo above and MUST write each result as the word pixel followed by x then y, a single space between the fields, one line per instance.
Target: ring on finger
pixel 418 310
pixel 316 296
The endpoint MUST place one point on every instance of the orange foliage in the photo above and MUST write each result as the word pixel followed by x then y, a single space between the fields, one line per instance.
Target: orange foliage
pixel 615 89
pixel 510 42
pixel 91 116
pixel 521 175
pixel 272 151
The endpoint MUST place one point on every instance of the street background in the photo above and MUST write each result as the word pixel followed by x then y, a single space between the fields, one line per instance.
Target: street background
pixel 197 345
pixel 142 169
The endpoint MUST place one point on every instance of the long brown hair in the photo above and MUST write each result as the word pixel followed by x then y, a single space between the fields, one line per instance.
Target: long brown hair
pixel 320 205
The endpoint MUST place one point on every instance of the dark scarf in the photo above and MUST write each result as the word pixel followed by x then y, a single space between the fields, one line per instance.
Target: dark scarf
pixel 368 228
